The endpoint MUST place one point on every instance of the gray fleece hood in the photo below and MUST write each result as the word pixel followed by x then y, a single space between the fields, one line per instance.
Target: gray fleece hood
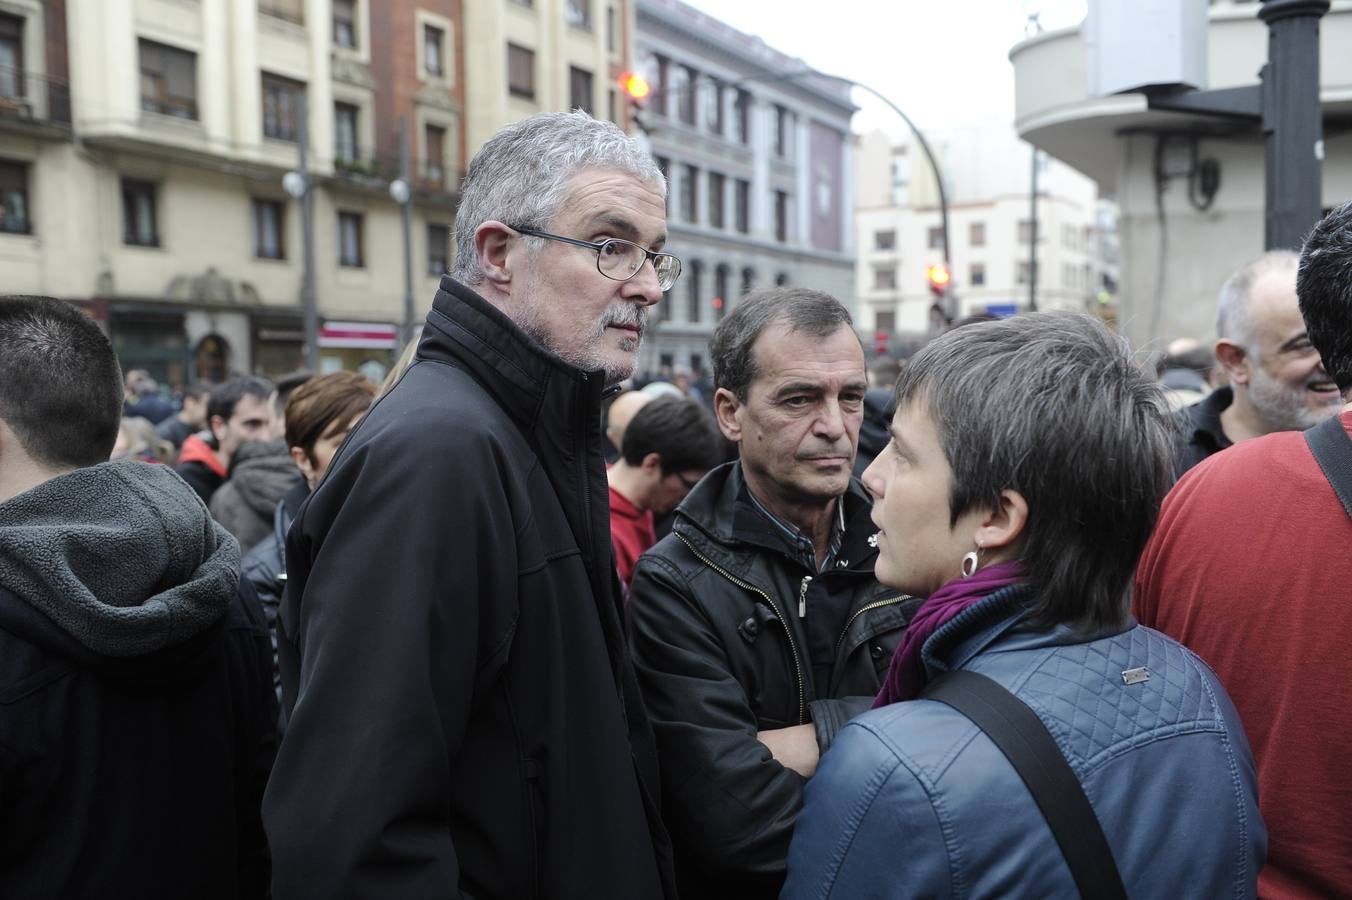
pixel 123 557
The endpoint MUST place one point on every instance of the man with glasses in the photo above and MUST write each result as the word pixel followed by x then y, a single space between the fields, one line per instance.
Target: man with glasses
pixel 757 626
pixel 463 717
pixel 667 447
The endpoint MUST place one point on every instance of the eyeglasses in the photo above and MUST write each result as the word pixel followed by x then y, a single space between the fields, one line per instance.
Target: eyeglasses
pixel 619 259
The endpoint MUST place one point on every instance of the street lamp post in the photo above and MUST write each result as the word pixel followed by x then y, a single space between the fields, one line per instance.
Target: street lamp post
pixel 402 193
pixel 300 186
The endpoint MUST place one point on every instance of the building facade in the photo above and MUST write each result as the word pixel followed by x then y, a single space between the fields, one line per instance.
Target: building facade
pixel 988 179
pixel 1190 189
pixel 529 56
pixel 756 150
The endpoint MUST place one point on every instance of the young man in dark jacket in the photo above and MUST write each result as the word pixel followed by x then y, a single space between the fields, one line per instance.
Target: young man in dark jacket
pixel 464 720
pixel 136 722
pixel 758 628
pixel 238 411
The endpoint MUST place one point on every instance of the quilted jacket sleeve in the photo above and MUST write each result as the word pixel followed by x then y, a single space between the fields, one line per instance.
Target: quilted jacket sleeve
pixel 863 810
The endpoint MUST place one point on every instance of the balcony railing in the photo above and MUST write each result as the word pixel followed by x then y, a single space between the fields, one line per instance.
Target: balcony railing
pixel 376 170
pixel 33 96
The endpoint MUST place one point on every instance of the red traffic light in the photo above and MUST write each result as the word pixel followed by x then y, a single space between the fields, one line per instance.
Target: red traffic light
pixel 635 86
pixel 939 278
pixel 718 303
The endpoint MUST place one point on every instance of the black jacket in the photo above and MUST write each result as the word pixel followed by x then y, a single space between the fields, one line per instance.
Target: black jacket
pixel 136 716
pixel 261 474
pixel 463 717
pixel 264 566
pixel 1200 431
pixel 719 649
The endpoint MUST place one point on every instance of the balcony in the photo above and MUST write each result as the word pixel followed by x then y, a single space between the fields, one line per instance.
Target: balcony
pixel 34 104
pixel 434 185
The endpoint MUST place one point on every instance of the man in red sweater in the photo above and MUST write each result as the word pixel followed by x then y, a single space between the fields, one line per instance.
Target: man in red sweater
pixel 1250 567
pixel 666 449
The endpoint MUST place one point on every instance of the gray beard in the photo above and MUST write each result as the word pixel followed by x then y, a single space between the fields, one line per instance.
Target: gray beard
pixel 1283 408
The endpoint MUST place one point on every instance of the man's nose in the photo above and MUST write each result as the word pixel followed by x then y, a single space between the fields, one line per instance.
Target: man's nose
pixel 643 288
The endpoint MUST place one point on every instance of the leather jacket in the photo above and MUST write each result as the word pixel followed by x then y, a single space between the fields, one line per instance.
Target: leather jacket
pixel 720 650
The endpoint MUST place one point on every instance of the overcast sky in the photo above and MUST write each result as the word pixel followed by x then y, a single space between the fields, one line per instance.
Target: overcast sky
pixel 945 62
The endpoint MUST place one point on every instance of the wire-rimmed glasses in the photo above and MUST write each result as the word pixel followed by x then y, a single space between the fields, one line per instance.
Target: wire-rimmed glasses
pixel 619 259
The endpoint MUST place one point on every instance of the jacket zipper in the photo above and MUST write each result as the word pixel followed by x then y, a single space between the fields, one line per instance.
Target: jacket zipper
pixel 859 612
pixel 788 632
pixel 802 596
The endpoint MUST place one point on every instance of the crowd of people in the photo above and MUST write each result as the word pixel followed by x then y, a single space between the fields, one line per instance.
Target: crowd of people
pixel 1012 617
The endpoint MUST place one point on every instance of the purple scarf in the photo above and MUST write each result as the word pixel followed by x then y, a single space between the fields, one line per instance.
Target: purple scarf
pixel 906 676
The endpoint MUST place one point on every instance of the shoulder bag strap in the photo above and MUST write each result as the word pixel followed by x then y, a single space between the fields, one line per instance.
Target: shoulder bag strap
pixel 1332 449
pixel 1033 752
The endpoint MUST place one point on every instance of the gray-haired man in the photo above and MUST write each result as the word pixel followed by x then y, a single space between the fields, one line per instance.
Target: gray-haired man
pixel 463 718
pixel 758 626
pixel 1277 382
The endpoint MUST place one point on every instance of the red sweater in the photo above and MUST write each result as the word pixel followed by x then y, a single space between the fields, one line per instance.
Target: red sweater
pixel 631 532
pixel 1250 566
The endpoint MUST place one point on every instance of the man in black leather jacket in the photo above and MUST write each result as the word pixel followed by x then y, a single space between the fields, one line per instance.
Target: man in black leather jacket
pixel 757 626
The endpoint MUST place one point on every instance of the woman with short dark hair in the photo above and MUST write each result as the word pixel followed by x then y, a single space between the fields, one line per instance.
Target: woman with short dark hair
pixel 1027 464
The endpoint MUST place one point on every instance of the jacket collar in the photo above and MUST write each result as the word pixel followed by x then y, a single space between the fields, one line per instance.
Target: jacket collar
pixel 536 388
pixel 1000 619
pixel 720 515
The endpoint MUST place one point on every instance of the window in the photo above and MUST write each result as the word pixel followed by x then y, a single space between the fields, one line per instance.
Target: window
pixel 782 279
pixel 689 197
pixel 1021 273
pixel 11 56
pixel 1068 275
pixel 520 72
pixel 716 182
pixel 742 107
pixel 267 216
pixel 686 80
pixel 168 80
pixel 976 234
pixel 579 89
pixel 344 23
pixel 283 100
pixel 344 133
pixel 693 304
pixel 748 280
pixel 434 145
pixel 935 238
pixel 290 10
pixel 14 198
pixel 783 128
pixel 613 105
pixel 611 43
pixel 1068 235
pixel 138 213
pixel 664 165
pixel 976 274
pixel 662 84
pixel 884 240
pixel 578 13
pixel 884 278
pixel 741 209
pixel 438 249
pixel 885 321
pixel 781 216
pixel 433 39
pixel 350 239
pixel 1025 231
pixel 714 112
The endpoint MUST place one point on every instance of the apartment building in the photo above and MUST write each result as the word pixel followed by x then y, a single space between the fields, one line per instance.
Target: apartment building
pixel 987 178
pixel 756 150
pixel 529 56
pixel 147 142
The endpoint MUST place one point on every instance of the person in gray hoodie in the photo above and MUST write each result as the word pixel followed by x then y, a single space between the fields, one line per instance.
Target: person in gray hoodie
pixel 136 710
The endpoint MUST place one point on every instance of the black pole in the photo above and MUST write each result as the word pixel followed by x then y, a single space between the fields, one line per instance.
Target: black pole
pixel 1293 122
pixel 406 173
pixel 1032 236
pixel 307 230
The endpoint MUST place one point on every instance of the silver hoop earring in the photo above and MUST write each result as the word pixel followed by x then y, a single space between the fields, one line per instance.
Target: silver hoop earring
pixel 969 564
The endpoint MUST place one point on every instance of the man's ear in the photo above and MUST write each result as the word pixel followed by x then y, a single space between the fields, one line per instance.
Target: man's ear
pixel 1234 360
pixel 652 463
pixel 302 461
pixel 492 240
pixel 217 426
pixel 726 406
pixel 1001 528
